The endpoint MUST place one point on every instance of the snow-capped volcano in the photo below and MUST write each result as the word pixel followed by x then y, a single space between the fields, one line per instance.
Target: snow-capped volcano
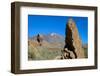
pixel 53 34
pixel 52 37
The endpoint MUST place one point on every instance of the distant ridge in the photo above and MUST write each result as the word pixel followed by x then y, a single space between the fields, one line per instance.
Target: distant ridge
pixel 52 37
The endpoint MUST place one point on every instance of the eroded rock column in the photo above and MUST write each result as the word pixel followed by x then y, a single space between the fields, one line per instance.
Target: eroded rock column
pixel 73 45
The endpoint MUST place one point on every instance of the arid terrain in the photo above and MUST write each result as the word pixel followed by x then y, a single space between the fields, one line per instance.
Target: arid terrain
pixel 50 48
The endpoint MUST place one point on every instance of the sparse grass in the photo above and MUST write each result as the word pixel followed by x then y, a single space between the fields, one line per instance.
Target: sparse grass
pixel 86 52
pixel 45 52
pixel 31 54
pixel 42 53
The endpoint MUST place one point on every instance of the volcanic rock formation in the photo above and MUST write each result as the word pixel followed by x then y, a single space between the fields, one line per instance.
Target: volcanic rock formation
pixel 73 45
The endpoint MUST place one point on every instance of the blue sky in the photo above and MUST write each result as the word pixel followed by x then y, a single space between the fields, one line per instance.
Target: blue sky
pixel 43 24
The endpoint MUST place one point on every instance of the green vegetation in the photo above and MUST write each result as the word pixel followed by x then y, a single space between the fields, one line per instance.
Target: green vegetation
pixel 86 52
pixel 43 53
pixel 47 51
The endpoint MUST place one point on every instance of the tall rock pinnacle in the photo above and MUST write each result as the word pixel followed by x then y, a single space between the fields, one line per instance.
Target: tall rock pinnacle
pixel 73 45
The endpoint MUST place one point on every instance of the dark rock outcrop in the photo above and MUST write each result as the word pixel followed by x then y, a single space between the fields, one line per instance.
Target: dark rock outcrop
pixel 39 39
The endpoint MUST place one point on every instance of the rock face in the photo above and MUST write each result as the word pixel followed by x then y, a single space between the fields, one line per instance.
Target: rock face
pixel 73 45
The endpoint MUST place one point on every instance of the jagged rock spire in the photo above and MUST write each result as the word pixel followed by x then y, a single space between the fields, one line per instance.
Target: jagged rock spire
pixel 73 42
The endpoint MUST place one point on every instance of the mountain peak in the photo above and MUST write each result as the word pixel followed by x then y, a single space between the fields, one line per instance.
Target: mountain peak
pixel 52 37
pixel 53 34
